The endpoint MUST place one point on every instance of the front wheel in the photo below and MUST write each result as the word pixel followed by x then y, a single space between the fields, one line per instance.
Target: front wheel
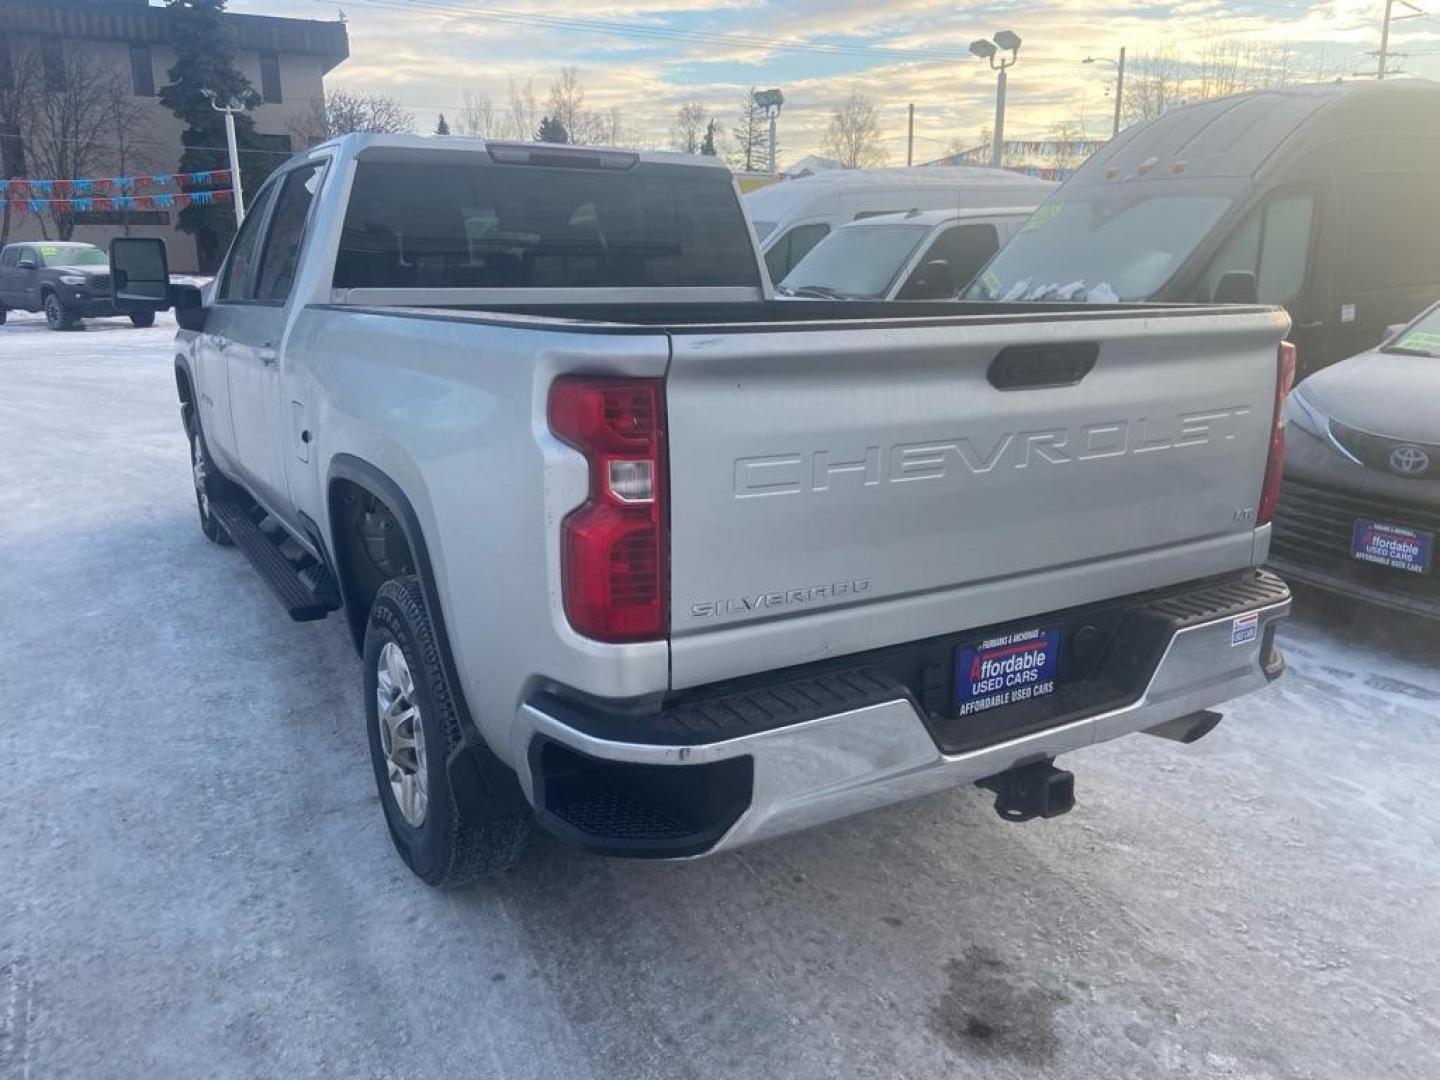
pixel 142 320
pixel 413 729
pixel 209 484
pixel 57 315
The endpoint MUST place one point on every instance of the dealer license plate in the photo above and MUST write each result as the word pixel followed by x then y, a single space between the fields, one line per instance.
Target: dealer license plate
pixel 1394 546
pixel 1006 669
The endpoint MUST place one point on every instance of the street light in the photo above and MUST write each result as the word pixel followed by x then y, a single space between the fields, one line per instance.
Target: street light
pixel 230 111
pixel 1119 81
pixel 1005 41
pixel 770 101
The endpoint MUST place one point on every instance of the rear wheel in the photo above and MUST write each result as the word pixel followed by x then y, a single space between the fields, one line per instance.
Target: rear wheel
pixel 209 484
pixel 142 319
pixel 413 729
pixel 57 315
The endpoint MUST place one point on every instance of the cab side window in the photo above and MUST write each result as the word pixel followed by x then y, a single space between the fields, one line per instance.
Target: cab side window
pixel 245 251
pixel 964 249
pixel 287 230
pixel 792 247
pixel 1273 243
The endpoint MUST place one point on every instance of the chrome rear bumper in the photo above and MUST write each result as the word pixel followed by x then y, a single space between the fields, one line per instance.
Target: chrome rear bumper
pixel 836 765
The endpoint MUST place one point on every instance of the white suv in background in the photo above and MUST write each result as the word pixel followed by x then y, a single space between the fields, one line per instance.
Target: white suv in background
pixel 920 255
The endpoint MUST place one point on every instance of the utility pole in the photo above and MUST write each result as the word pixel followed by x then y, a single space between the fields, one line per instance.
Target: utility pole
pixel 910 139
pixel 1005 41
pixel 234 152
pixel 1415 13
pixel 1119 90
pixel 1385 38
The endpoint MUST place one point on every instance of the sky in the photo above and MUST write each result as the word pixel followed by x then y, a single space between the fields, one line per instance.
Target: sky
pixel 644 58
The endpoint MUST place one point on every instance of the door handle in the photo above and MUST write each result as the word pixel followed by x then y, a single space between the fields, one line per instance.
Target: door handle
pixel 267 355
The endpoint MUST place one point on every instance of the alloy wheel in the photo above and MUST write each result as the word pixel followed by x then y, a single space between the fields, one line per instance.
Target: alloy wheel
pixel 402 738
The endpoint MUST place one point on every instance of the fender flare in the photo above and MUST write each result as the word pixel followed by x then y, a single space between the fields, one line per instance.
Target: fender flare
pixel 484 786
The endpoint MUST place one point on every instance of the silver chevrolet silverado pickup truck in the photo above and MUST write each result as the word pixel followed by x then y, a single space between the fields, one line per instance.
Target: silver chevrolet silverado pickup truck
pixel 633 550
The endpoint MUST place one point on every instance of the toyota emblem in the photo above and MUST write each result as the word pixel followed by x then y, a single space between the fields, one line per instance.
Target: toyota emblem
pixel 1409 460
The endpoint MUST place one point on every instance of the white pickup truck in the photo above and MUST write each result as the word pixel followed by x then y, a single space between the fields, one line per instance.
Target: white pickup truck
pixel 636 551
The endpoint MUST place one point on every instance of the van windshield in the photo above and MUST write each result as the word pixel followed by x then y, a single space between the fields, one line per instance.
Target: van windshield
pixel 1103 247
pixel 855 263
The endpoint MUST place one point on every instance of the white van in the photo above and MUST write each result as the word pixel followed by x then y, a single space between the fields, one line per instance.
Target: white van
pixel 919 255
pixel 793 216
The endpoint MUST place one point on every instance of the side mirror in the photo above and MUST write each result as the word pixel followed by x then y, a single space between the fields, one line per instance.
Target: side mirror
pixel 25 264
pixel 932 281
pixel 190 309
pixel 139 271
pixel 1237 287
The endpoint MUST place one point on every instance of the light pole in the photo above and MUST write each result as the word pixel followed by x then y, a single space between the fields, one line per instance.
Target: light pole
pixel 230 111
pixel 1119 82
pixel 1005 41
pixel 770 101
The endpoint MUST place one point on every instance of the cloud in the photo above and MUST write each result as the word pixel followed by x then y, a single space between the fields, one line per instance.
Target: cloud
pixel 655 54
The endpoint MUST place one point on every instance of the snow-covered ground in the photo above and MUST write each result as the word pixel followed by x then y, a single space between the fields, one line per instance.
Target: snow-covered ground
pixel 195 880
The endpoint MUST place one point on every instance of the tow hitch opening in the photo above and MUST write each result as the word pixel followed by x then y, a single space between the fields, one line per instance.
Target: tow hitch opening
pixel 1038 789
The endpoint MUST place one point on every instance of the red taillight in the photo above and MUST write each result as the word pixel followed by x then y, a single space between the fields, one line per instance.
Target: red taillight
pixel 1275 463
pixel 614 550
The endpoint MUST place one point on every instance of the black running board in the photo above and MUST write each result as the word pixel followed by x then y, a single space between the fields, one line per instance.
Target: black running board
pixel 302 584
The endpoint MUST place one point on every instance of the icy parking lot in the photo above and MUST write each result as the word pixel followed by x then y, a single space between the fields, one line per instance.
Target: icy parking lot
pixel 195 880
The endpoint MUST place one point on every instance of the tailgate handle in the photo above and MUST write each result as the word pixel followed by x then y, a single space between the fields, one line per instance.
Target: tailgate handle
pixel 1036 367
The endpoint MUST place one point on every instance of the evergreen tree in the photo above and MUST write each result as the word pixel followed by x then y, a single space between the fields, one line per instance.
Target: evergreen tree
pixel 552 131
pixel 752 136
pixel 707 147
pixel 204 60
pixel 441 127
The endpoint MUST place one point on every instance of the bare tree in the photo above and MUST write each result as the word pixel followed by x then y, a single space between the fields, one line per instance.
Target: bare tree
pixel 341 112
pixel 15 90
pixel 69 121
pixel 567 105
pixel 478 118
pixel 853 138
pixel 523 119
pixel 133 148
pixel 1154 85
pixel 687 132
pixel 1161 81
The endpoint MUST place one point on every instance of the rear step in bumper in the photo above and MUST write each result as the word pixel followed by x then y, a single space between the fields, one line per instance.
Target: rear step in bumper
pixel 836 765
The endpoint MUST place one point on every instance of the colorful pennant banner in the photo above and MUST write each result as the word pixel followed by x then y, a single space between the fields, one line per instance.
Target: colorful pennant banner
pixel 164 201
pixel 111 186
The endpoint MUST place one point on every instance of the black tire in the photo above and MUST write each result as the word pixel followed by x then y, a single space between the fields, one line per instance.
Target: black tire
pixel 2 316
pixel 445 849
pixel 57 315
pixel 209 484
pixel 142 320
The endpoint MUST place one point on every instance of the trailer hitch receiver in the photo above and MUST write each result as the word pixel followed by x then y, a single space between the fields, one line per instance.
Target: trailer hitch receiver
pixel 1036 789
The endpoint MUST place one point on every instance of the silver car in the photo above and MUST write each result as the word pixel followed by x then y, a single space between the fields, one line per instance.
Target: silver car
pixel 1359 511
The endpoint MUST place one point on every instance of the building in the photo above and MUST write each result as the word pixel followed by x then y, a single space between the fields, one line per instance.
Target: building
pixel 285 60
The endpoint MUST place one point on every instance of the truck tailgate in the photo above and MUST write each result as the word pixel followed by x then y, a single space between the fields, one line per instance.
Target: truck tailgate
pixel 853 486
